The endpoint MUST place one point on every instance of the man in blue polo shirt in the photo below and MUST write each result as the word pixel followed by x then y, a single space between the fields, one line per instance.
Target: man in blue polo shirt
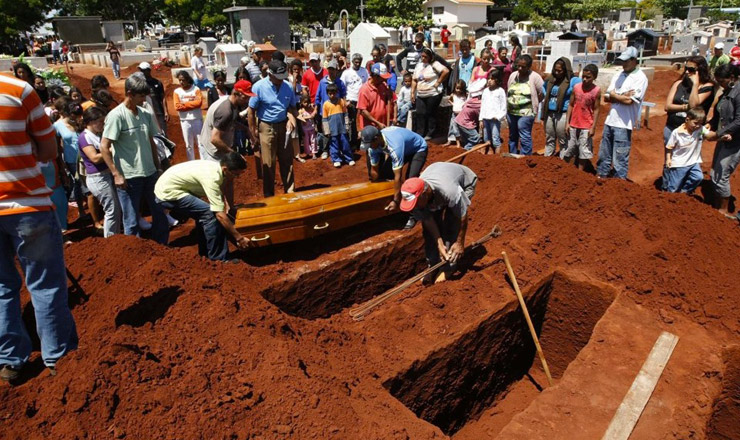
pixel 388 150
pixel 274 104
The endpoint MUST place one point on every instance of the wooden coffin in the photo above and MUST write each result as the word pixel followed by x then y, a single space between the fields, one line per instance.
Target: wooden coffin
pixel 307 214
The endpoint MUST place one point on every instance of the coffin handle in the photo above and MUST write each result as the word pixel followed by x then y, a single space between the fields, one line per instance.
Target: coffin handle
pixel 319 227
pixel 266 237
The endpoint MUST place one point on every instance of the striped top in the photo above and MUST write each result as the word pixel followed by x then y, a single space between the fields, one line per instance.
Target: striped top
pixel 22 185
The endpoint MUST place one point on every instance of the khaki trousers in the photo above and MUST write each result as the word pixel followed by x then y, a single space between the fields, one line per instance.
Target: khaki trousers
pixel 272 146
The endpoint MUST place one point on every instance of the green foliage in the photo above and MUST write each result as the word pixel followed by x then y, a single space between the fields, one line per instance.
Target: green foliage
pixel 416 20
pixel 52 76
pixel 674 8
pixel 541 23
pixel 17 16
pixel 145 12
pixel 199 14
pixel 396 12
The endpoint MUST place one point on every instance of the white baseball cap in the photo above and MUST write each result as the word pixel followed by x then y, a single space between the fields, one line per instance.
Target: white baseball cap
pixel 144 66
pixel 719 46
pixel 628 54
pixel 314 57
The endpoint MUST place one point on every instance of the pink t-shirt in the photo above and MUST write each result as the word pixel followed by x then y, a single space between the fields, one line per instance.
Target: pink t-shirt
pixel 582 115
pixel 468 117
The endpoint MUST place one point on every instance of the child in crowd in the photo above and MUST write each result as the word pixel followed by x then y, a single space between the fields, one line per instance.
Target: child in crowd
pixel 335 120
pixel 457 99
pixel 583 113
pixel 493 111
pixel 306 115
pixel 404 100
pixel 682 170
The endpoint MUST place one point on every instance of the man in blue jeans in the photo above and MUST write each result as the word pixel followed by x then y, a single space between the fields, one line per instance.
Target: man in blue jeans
pixel 625 93
pixel 180 188
pixel 30 231
pixel 131 154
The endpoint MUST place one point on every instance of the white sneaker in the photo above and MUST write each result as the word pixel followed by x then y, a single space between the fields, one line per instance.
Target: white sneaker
pixel 172 221
pixel 351 163
pixel 337 164
pixel 144 225
pixel 324 155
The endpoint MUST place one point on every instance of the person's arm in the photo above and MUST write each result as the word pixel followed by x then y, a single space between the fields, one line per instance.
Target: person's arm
pixel 413 90
pixel 374 172
pixel 458 248
pixel 668 155
pixel 442 76
pixel 179 106
pixel 190 105
pixel 698 97
pixel 252 118
pixel 241 241
pixel 669 105
pixel 568 114
pixel 94 155
pixel 155 154
pixel 366 114
pixel 734 126
pixel 218 141
pixel 431 227
pixel 597 112
pixel 399 59
pixel 105 150
pixel 397 182
pixel 164 106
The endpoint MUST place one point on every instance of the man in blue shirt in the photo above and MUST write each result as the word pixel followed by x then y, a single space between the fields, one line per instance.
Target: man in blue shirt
pixel 274 104
pixel 390 149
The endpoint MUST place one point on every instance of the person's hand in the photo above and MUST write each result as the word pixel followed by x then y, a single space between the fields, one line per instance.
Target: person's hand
pixel 253 135
pixel 120 181
pixel 166 117
pixel 290 126
pixel 668 162
pixel 726 138
pixel 413 100
pixel 243 242
pixel 694 78
pixel 456 252
pixel 567 128
pixel 629 94
pixel 443 250
pixel 381 126
pixel 591 132
pixel 392 206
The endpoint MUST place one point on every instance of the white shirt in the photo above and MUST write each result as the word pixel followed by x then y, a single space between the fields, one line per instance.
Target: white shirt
pixel 626 115
pixel 493 104
pixel 353 80
pixel 55 45
pixel 686 146
pixel 404 95
pixel 197 65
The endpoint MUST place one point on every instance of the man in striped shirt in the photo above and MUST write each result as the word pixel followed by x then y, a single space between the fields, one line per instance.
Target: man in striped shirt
pixel 29 230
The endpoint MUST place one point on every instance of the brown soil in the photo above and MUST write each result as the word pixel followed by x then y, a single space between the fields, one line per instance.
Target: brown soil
pixel 175 346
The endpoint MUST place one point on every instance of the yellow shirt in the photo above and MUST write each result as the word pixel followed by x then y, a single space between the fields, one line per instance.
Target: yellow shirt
pixel 200 178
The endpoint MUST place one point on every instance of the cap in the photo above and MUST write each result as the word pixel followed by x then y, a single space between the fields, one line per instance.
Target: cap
pixel 314 57
pixel 278 69
pixel 628 54
pixel 356 56
pixel 244 86
pixel 144 66
pixel 245 60
pixel 332 64
pixel 410 192
pixel 257 49
pixel 368 135
pixel 719 46
pixel 380 69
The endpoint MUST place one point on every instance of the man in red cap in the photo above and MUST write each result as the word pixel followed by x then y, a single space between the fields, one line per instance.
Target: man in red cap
pixel 440 199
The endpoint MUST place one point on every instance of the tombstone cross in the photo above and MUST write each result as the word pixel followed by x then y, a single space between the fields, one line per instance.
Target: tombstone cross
pixel 362 8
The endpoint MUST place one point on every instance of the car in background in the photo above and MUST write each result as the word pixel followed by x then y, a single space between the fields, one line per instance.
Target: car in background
pixel 172 38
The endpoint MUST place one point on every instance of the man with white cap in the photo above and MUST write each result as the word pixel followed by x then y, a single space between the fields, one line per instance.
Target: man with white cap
pixel 719 58
pixel 158 103
pixel 625 93
pixel 253 67
pixel 313 75
pixel 274 104
pixel 353 78
pixel 440 199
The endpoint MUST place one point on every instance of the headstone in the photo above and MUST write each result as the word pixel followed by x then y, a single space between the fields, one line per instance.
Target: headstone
pixel 626 14
pixel 658 26
pixel 696 12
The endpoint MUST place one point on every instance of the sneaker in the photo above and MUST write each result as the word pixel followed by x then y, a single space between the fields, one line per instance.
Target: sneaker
pixel 72 204
pixel 337 164
pixel 410 223
pixel 144 225
pixel 324 155
pixel 351 163
pixel 427 138
pixel 172 221
pixel 9 374
pixel 300 159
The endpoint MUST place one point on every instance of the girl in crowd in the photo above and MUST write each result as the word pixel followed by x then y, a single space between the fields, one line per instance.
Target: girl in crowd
pixel 188 102
pixel 220 88
pixel 493 111
pixel 557 91
pixel 23 72
pixel 67 129
pixel 457 99
pixel 115 59
pixel 306 115
pixel 76 95
pixel 503 63
pixel 523 98
pixel 426 92
pixel 516 47
pixel 39 84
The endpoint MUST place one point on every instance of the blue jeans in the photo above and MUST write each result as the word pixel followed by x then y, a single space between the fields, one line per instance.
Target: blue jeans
pixel 520 132
pixel 682 179
pixel 37 241
pixel 666 135
pixel 211 234
pixel 403 112
pixel 469 137
pixel 492 132
pixel 116 69
pixel 339 150
pixel 615 146
pixel 130 198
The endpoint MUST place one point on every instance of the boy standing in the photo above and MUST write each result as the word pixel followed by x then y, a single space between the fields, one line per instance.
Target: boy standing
pixel 335 121
pixel 404 100
pixel 583 112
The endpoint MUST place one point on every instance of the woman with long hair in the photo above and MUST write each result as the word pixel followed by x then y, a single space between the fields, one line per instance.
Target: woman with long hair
pixel 219 89
pixel 726 152
pixel 516 47
pixel 557 91
pixel 695 88
pixel 188 102
pixel 23 72
pixel 426 91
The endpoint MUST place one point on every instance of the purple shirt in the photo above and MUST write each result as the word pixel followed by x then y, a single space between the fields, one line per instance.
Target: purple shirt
pixel 88 138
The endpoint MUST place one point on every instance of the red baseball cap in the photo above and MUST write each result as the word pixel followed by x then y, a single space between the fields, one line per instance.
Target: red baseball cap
pixel 735 52
pixel 244 86
pixel 410 192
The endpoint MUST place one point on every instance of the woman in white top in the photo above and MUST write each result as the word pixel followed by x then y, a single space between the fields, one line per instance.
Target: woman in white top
pixel 426 92
pixel 188 102
pixel 199 70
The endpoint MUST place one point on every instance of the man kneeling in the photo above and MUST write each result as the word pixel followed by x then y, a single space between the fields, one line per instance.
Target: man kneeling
pixel 440 199
pixel 180 187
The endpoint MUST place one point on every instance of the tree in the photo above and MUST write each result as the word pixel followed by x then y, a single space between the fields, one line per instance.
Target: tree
pixel 145 12
pixel 18 16
pixel 198 14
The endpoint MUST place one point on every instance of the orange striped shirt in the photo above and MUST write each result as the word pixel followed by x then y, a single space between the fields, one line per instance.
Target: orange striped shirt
pixel 22 120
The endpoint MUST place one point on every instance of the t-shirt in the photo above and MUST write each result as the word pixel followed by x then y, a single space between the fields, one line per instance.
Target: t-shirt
pixel 675 119
pixel 399 144
pixel 582 115
pixel 198 66
pixel 457 103
pixel 412 55
pixel 130 133
pixel 221 115
pixel 69 141
pixel 519 99
pixel 426 75
pixel 445 35
pixel 22 185
pixel 200 178
pixel 552 100
pixel 373 99
pixel 686 146
pixel 115 54
pixel 453 186
pixel 468 117
pixel 157 94
pixel 353 80
pixel 404 95
pixel 493 104
pixel 334 114
pixel 88 138
pixel 625 115
pixel 311 80
pixel 717 61
pixel 189 103
pixel 465 68
pixel 270 103
pixel 322 96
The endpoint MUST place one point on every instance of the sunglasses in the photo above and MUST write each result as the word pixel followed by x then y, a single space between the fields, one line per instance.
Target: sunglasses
pixel 690 69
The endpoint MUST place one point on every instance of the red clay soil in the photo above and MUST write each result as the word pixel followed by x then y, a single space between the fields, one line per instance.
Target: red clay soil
pixel 175 346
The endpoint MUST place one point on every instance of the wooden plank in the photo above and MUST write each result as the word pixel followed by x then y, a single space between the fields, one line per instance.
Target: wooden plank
pixel 637 397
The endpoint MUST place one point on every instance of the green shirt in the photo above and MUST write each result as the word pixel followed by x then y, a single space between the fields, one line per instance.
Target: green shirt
pixel 200 178
pixel 717 61
pixel 129 133
pixel 519 99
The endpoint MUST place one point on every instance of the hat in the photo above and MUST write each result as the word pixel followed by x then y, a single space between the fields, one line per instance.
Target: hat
pixel 380 69
pixel 278 69
pixel 368 135
pixel 257 50
pixel 628 54
pixel 332 65
pixel 244 87
pixel 144 66
pixel 314 57
pixel 410 192
pixel 356 56
pixel 245 60
pixel 719 46
pixel 735 52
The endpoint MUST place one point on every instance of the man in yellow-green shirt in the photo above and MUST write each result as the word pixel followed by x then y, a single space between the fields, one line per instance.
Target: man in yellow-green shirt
pixel 180 189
